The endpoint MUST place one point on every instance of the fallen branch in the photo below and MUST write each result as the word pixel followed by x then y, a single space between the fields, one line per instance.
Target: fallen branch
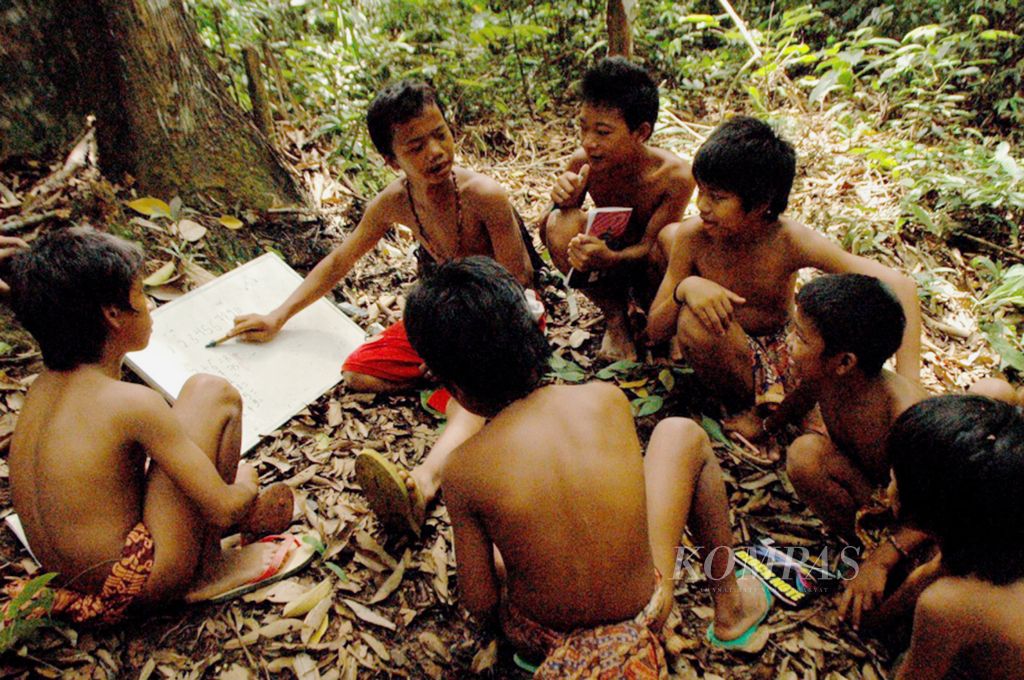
pixel 18 223
pixel 742 26
pixel 9 197
pixel 80 156
pixel 1003 250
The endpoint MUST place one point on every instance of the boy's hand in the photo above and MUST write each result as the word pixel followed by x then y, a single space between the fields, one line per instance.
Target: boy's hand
pixel 247 476
pixel 256 327
pixel 712 303
pixel 9 245
pixel 570 187
pixel 863 591
pixel 588 252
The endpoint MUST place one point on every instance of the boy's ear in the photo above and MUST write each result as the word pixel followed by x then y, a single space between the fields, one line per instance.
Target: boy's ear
pixel 392 162
pixel 644 131
pixel 845 362
pixel 112 315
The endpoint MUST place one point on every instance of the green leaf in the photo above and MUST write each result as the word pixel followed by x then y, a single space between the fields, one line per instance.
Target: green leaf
pixel 566 370
pixel 5 348
pixel 997 336
pixel 17 603
pixel 667 379
pixel 645 406
pixel 315 543
pixel 714 430
pixel 922 217
pixel 622 367
pixel 338 571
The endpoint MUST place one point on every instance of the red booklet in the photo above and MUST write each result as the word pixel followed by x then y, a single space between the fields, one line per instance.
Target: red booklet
pixel 607 224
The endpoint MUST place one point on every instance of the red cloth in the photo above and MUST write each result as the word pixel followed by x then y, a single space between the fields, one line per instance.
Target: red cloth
pixel 387 356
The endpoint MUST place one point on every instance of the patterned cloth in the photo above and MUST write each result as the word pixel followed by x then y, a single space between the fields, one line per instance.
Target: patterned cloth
pixel 125 582
pixel 774 379
pixel 770 361
pixel 630 649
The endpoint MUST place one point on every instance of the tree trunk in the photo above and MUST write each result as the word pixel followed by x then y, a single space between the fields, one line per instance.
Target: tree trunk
pixel 620 31
pixel 161 113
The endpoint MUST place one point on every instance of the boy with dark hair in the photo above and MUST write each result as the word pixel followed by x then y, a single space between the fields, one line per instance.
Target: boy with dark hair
pixel 845 326
pixel 618 168
pixel 726 298
pixel 958 464
pixel 118 534
pixel 454 212
pixel 574 539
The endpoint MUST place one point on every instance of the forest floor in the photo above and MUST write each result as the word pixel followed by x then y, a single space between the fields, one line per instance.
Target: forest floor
pixel 393 610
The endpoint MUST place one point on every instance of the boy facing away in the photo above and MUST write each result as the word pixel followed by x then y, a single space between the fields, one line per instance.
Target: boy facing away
pixel 958 464
pixel 618 168
pixel 727 297
pixel 118 534
pixel 454 212
pixel 556 532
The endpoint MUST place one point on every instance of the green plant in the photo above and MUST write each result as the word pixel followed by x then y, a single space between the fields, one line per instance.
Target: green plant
pixel 27 612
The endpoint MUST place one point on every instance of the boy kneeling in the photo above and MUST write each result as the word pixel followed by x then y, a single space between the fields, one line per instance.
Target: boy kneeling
pixel 120 535
pixel 553 525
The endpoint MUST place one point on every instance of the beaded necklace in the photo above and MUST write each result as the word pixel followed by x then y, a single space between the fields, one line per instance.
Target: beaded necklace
pixel 427 241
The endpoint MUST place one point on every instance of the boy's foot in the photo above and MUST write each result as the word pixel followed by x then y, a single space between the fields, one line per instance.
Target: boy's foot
pixel 737 629
pixel 231 568
pixel 392 493
pixel 747 423
pixel 616 344
pixel 270 514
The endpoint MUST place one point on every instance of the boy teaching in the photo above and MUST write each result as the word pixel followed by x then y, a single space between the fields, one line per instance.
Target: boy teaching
pixel 617 167
pixel 119 534
pixel 453 211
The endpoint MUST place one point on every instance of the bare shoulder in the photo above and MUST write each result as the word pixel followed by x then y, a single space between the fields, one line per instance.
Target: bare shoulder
pixel 388 205
pixel 905 393
pixel 134 404
pixel 950 600
pixel 671 167
pixel 480 188
pixel 691 230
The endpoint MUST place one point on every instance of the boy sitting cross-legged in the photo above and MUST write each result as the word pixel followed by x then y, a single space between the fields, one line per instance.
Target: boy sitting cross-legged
pixel 556 532
pixel 618 168
pixel 119 534
pixel 958 464
pixel 453 211
pixel 727 297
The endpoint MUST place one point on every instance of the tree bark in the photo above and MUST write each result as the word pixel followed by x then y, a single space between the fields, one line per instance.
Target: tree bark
pixel 257 92
pixel 161 113
pixel 620 31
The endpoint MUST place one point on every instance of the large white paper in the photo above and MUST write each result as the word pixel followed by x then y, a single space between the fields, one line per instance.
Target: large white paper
pixel 276 379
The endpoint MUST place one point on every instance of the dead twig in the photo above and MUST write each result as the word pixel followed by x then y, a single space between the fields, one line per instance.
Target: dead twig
pixel 1002 250
pixel 17 223
pixel 82 154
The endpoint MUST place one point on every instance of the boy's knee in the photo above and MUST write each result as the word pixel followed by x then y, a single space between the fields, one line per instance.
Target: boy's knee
pixel 214 388
pixel 689 440
pixel 692 334
pixel 805 459
pixel 360 382
pixel 995 388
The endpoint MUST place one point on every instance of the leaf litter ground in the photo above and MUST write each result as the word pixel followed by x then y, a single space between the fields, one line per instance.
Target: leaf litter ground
pixel 378 606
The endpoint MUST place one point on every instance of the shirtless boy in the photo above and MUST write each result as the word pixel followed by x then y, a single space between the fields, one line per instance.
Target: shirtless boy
pixel 727 296
pixel 845 326
pixel 618 168
pixel 958 463
pixel 454 211
pixel 553 489
pixel 118 534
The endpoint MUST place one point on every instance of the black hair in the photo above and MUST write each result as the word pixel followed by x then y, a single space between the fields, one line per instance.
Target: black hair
pixel 60 286
pixel 746 157
pixel 397 103
pixel 470 323
pixel 857 314
pixel 959 467
pixel 617 83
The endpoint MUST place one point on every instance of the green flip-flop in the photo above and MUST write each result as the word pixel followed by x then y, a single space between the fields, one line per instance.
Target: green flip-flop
pixel 398 507
pixel 743 640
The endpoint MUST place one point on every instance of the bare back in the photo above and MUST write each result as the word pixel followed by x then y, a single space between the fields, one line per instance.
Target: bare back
pixel 77 483
pixel 859 424
pixel 557 482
